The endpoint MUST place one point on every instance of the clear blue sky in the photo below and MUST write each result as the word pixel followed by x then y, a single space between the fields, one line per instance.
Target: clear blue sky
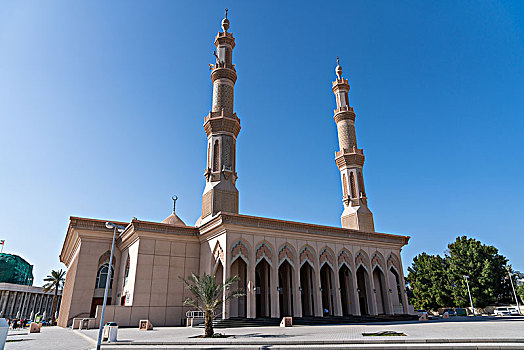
pixel 102 105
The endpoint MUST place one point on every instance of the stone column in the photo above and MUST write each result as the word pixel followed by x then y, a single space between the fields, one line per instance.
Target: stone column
pixel 372 295
pixel 273 291
pixel 3 306
pixel 337 307
pixel 250 292
pixel 319 312
pixel 354 294
pixel 14 295
pixel 297 300
pixel 225 276
pixel 403 294
pixel 388 301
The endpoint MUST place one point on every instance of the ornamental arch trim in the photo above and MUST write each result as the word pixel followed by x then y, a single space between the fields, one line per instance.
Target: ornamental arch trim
pixel 286 252
pixel 264 251
pixel 104 259
pixel 240 249
pixel 327 256
pixel 307 253
pixel 377 259
pixel 393 261
pixel 344 258
pixel 218 256
pixel 362 259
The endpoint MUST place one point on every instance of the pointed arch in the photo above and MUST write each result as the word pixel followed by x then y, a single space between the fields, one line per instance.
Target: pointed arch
pixel 216 156
pixel 286 252
pixel 327 256
pixel 352 184
pixel 307 253
pixel 218 256
pixel 264 251
pixel 393 261
pixel 362 259
pixel 344 185
pixel 377 259
pixel 240 249
pixel 344 258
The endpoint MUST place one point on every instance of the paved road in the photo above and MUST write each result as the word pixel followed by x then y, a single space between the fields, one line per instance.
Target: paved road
pixel 469 329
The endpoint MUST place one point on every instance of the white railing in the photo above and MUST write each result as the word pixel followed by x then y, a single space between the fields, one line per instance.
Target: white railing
pixel 194 314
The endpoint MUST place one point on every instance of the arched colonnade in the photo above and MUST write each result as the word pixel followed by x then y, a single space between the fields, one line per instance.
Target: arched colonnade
pixel 304 283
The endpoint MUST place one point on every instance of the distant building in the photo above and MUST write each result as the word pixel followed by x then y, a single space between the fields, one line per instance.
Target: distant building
pixel 14 269
pixel 20 301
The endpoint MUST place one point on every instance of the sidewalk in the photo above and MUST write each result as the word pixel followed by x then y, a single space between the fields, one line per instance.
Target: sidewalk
pixel 471 332
pixel 460 332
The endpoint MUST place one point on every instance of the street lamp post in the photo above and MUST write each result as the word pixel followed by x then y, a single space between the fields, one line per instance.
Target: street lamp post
pixel 470 300
pixel 512 287
pixel 115 228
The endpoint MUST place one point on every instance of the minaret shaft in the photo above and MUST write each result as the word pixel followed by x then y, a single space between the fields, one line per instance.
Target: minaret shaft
pixel 222 127
pixel 350 161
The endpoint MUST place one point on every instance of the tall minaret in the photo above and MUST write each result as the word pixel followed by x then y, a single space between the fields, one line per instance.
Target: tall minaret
pixel 222 127
pixel 350 161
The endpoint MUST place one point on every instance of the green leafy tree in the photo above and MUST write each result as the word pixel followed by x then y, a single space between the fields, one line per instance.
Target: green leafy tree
pixel 208 296
pixel 520 293
pixel 428 280
pixel 484 266
pixel 54 282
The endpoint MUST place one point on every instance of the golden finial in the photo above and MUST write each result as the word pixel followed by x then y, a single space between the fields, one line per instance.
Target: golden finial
pixel 338 69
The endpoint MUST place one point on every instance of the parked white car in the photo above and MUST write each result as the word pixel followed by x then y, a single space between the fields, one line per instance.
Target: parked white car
pixel 502 311
pixel 513 311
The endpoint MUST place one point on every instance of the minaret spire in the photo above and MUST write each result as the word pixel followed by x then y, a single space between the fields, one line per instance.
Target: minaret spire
pixel 350 160
pixel 222 127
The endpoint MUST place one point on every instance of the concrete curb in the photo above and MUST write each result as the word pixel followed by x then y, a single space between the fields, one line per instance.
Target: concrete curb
pixel 215 342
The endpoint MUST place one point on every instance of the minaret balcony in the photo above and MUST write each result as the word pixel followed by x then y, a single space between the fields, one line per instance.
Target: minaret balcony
pixel 221 122
pixel 340 81
pixel 353 150
pixel 346 158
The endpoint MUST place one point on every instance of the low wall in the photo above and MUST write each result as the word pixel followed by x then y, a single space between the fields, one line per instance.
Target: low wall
pixel 129 316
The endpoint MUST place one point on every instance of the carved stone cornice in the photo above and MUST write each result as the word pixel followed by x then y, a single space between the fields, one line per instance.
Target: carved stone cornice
pixel 236 220
pixel 219 122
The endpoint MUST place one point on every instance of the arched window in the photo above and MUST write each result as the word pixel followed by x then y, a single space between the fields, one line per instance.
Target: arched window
pixel 208 155
pixel 126 272
pixel 216 155
pixel 352 183
pixel 361 184
pixel 345 185
pixel 101 277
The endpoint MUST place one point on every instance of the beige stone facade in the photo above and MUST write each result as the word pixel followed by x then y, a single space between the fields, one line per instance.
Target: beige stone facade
pixel 286 268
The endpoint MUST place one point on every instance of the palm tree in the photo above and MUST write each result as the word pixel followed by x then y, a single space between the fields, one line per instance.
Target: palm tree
pixel 209 296
pixel 54 281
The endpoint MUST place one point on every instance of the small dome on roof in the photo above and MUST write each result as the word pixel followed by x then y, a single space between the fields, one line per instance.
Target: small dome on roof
pixel 174 220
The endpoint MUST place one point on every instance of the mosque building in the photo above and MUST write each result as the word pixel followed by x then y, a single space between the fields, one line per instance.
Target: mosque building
pixel 286 268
